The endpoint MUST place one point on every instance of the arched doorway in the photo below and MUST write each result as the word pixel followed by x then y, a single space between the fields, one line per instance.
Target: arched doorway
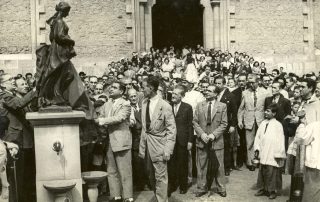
pixel 177 22
pixel 160 23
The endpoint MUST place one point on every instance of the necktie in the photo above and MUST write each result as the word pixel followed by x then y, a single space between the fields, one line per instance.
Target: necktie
pixel 265 130
pixel 175 110
pixel 134 108
pixel 209 115
pixel 274 100
pixel 255 98
pixel 148 120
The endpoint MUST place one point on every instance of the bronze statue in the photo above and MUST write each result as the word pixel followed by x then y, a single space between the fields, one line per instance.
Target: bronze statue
pixel 56 78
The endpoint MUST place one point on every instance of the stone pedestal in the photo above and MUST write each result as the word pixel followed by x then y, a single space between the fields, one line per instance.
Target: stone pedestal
pixel 50 128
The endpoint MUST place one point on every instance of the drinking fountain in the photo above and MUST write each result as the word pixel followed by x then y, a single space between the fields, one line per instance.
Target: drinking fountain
pixel 93 179
pixel 59 189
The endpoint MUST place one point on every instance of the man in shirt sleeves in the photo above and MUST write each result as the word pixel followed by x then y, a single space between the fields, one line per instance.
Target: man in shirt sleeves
pixel 158 137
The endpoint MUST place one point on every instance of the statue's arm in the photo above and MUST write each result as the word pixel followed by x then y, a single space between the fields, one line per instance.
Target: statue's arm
pixel 60 35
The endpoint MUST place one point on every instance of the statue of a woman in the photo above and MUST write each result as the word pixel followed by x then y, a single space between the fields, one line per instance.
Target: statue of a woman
pixel 56 77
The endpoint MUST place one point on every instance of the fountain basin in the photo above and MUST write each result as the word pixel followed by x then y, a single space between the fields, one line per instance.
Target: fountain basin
pixel 59 187
pixel 94 177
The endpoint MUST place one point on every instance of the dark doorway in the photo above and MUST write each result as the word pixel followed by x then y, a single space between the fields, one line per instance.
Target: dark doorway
pixel 177 22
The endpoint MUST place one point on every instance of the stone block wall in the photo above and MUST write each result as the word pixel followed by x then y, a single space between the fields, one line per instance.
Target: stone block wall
pixel 99 30
pixel 15 27
pixel 272 31
pixel 316 13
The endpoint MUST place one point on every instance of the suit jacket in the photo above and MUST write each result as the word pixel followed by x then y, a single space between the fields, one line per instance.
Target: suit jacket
pixel 116 118
pixel 229 100
pixel 237 96
pixel 136 129
pixel 19 130
pixel 162 135
pixel 284 107
pixel 247 113
pixel 218 124
pixel 184 125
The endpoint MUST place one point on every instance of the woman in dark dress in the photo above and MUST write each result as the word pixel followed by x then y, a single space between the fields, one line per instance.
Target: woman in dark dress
pixel 57 79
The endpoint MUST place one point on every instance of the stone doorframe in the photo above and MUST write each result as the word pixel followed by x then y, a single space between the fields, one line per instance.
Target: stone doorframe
pixel 216 23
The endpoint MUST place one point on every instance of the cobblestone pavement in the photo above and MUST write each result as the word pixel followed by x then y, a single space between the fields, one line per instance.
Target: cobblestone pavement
pixel 240 188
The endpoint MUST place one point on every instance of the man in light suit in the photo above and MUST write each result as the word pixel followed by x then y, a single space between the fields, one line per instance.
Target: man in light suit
pixel 115 116
pixel 251 113
pixel 158 137
pixel 210 121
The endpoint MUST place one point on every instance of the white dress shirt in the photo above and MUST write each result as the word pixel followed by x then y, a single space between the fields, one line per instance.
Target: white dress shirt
pixel 176 108
pixel 153 104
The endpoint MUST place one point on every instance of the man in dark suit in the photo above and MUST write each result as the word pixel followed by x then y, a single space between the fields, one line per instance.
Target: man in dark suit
pixel 284 105
pixel 229 134
pixel 242 149
pixel 210 121
pixel 138 168
pixel 19 132
pixel 178 164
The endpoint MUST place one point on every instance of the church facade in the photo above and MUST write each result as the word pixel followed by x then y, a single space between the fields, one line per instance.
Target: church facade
pixel 279 32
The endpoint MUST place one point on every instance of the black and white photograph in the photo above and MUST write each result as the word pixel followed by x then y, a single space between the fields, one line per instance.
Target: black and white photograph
pixel 159 100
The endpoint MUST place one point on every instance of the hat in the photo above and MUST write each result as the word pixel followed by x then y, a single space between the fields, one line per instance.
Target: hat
pixel 82 74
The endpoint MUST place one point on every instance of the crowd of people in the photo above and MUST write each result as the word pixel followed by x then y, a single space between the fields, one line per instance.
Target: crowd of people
pixel 167 116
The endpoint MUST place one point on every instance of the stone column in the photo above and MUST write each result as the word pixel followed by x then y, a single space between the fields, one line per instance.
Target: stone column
pixel 137 34
pixel 207 24
pixel 142 27
pixel 216 24
pixel 148 24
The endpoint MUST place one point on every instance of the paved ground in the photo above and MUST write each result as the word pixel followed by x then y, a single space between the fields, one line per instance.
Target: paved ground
pixel 240 187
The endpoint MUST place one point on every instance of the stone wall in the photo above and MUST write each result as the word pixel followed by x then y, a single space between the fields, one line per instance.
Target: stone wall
pixel 316 13
pixel 270 30
pixel 99 30
pixel 15 23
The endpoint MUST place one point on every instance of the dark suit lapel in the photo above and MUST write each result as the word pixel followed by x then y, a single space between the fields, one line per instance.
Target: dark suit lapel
pixel 280 101
pixel 179 110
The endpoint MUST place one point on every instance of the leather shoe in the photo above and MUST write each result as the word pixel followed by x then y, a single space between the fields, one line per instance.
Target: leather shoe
pixel 183 191
pixel 116 200
pixel 273 195
pixel 227 173
pixel 199 194
pixel 261 192
pixel 252 168
pixel 223 194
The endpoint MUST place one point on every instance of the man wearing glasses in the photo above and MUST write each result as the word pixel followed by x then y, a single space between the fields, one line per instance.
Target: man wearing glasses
pixel 210 121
